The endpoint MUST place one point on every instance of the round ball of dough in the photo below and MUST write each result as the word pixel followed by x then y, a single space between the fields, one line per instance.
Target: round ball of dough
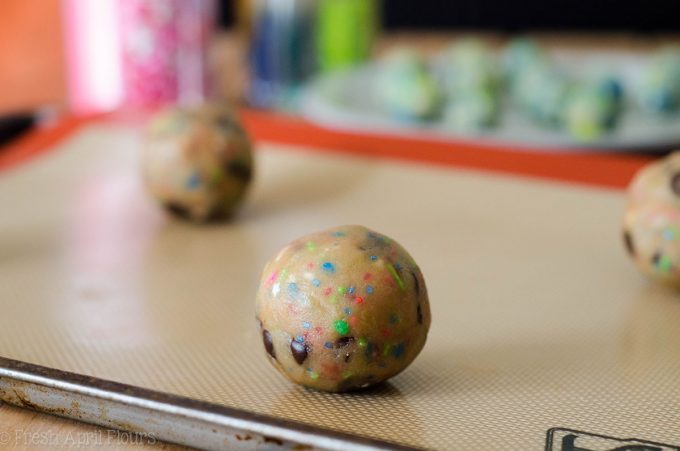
pixel 651 225
pixel 342 309
pixel 197 162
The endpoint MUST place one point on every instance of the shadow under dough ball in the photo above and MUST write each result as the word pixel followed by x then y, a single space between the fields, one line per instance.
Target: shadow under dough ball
pixel 197 161
pixel 342 309
pixel 651 224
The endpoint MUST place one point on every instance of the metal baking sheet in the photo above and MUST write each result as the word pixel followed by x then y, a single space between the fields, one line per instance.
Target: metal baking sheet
pixel 543 333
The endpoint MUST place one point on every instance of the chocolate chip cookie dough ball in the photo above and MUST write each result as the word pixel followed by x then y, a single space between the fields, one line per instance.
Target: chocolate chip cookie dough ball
pixel 197 162
pixel 651 225
pixel 342 309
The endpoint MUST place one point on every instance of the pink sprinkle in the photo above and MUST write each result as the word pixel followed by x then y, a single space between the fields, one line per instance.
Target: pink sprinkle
pixel 327 291
pixel 272 278
pixel 367 276
pixel 353 320
pixel 310 265
pixel 360 300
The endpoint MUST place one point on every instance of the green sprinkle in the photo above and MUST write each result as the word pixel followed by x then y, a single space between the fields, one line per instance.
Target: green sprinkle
pixel 400 282
pixel 362 342
pixel 665 263
pixel 341 326
pixel 314 375
pixel 217 175
pixel 342 290
pixel 311 245
pixel 346 374
pixel 386 350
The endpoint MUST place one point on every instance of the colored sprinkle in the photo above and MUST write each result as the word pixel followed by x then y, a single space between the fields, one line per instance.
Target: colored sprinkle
pixel 668 234
pixel 398 350
pixel 217 174
pixel 374 257
pixel 300 339
pixel 360 300
pixel 400 282
pixel 367 276
pixel 347 310
pixel 386 332
pixel 306 324
pixel 386 350
pixel 327 291
pixel 351 290
pixel 316 282
pixel 328 267
pixel 353 320
pixel 347 374
pixel 339 233
pixel 362 342
pixel 194 181
pixel 393 318
pixel 342 290
pixel 369 289
pixel 311 245
pixel 328 345
pixel 314 375
pixel 341 326
pixel 664 263
pixel 272 278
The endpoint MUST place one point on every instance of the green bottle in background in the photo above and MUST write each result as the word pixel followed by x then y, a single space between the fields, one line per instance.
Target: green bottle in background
pixel 346 30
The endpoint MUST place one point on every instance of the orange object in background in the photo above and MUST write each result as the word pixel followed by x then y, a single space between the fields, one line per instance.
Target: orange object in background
pixel 31 55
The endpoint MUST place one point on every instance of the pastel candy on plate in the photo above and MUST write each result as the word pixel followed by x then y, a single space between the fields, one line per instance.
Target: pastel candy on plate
pixel 342 309
pixel 405 87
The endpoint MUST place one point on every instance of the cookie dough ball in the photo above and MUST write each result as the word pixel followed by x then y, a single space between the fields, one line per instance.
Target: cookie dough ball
pixel 651 225
pixel 405 88
pixel 342 309
pixel 197 162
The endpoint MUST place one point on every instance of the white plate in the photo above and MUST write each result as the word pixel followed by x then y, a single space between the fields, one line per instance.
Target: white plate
pixel 347 101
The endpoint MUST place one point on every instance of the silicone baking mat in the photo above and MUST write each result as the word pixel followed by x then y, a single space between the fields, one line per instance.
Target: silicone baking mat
pixel 543 333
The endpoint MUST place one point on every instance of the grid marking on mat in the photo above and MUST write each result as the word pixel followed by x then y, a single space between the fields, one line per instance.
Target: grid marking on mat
pixel 539 321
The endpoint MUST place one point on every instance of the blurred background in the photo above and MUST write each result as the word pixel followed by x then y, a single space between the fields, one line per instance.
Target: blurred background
pixel 559 75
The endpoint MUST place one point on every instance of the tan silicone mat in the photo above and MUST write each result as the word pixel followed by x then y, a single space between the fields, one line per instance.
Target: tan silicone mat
pixel 539 320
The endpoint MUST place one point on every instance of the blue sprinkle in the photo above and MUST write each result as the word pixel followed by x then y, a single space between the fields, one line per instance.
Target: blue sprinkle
pixel 292 287
pixel 328 267
pixel 397 266
pixel 351 290
pixel 306 324
pixel 347 310
pixel 339 233
pixel 398 350
pixel 300 339
pixel 374 257
pixel 194 181
pixel 369 289
pixel 316 282
pixel 328 345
